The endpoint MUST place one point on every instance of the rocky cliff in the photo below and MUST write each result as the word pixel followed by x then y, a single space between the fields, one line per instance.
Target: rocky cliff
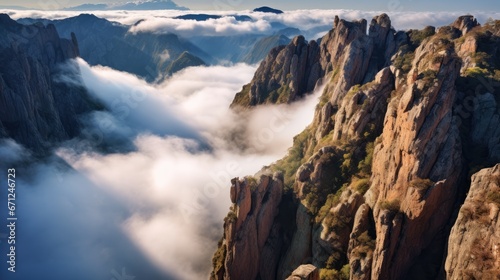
pixel 372 188
pixel 36 109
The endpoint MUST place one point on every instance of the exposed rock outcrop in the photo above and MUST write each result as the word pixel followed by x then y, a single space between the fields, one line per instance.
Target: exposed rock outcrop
pixel 465 23
pixel 305 272
pixel 417 163
pixel 474 243
pixel 285 75
pixel 36 109
pixel 380 175
pixel 250 233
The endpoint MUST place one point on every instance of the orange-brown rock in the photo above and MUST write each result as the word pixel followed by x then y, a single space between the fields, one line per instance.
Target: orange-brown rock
pixel 248 230
pixel 305 272
pixel 417 163
pixel 474 243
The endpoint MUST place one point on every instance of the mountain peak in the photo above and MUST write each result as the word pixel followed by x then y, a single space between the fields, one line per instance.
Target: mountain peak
pixel 265 9
pixel 134 5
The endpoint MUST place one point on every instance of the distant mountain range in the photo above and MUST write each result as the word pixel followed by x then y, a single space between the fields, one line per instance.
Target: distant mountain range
pixel 102 42
pixel 13 7
pixel 135 5
pixel 152 55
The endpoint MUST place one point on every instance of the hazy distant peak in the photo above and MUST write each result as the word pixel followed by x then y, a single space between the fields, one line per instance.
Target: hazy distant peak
pixel 266 9
pixel 134 5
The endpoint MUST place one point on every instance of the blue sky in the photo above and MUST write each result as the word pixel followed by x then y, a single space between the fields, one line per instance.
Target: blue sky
pixel 383 5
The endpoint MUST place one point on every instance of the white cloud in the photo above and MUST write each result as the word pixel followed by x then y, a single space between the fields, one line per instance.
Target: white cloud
pixel 164 22
pixel 162 203
pixel 211 27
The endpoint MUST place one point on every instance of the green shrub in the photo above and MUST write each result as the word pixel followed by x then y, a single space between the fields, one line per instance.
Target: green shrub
pixel 404 61
pixel 421 184
pixel 345 272
pixel 219 257
pixel 336 222
pixel 231 217
pixel 242 98
pixel 331 201
pixel 252 181
pixel 366 245
pixel 353 90
pixel 362 185
pixel 393 205
pixel 418 36
pixel 365 166
pixel 328 274
pixel 496 76
pixel 481 59
pixel 428 76
pixel 294 159
pixel 476 72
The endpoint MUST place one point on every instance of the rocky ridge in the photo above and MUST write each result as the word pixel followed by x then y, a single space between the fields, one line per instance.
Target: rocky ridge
pixel 372 188
pixel 36 109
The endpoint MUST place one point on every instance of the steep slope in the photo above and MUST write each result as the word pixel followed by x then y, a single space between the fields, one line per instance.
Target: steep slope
pixel 473 251
pixel 262 47
pixel 183 61
pixel 249 48
pixel 110 44
pixel 372 188
pixel 289 72
pixel 35 108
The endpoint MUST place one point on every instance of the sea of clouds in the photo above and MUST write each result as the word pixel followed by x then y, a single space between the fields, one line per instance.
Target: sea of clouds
pixel 152 202
pixel 144 191
pixel 320 20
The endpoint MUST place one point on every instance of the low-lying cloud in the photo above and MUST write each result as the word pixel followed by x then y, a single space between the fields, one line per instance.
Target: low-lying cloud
pixel 311 22
pixel 153 211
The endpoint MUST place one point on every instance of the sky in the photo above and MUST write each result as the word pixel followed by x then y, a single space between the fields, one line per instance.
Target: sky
pixel 382 5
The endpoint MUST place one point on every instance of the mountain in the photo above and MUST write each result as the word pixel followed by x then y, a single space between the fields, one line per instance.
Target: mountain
pixel 88 7
pixel 9 7
pixel 266 9
pixel 110 44
pixel 249 48
pixel 262 47
pixel 136 5
pixel 183 61
pixel 36 108
pixel 397 177
pixel 205 17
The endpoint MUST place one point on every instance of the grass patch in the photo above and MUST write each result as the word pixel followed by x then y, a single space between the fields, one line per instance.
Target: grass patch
pixel 421 184
pixel 476 72
pixel 294 159
pixel 242 98
pixel 362 185
pixel 392 205
pixel 219 257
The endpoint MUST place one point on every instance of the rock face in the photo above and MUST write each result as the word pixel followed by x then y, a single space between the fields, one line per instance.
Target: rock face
pixel 35 108
pixel 379 176
pixel 305 272
pixel 465 23
pixel 285 75
pixel 250 235
pixel 419 141
pixel 474 243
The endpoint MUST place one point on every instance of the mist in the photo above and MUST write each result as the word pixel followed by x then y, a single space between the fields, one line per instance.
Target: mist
pixel 313 23
pixel 152 208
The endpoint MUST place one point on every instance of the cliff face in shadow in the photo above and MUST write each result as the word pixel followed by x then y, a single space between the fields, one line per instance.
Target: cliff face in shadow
pixel 36 109
pixel 374 188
